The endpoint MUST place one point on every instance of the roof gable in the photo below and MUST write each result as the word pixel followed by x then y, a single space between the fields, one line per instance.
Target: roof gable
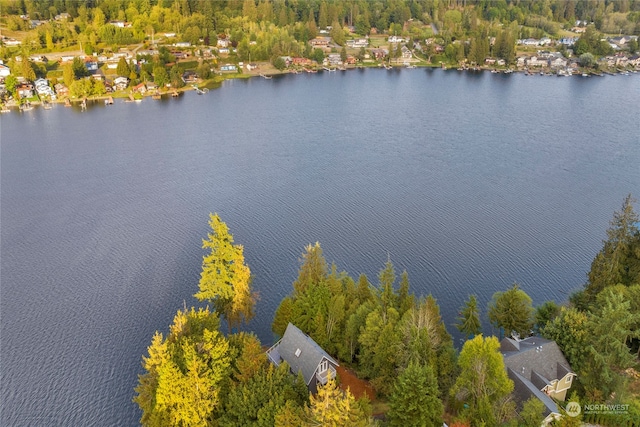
pixel 301 352
pixel 535 354
pixel 523 390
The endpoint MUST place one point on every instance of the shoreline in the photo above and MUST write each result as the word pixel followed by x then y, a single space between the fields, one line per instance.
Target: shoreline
pixel 217 82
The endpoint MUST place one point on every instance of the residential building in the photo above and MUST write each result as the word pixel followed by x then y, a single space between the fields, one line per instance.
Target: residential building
pixel 538 369
pixel 303 355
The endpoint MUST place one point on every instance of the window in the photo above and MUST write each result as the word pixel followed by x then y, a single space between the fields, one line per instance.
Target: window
pixel 298 353
pixel 324 365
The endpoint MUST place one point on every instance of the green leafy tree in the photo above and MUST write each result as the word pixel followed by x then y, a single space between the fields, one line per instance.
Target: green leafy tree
pixel 317 55
pixel 79 69
pixel 546 313
pixel 258 400
pixel 279 63
pixel 415 399
pixel 225 280
pixel 122 68
pixel 160 76
pixel 483 381
pixel 512 311
pixel 27 70
pixel 532 413
pixel 11 83
pixel 569 329
pixel 469 320
pixel 68 76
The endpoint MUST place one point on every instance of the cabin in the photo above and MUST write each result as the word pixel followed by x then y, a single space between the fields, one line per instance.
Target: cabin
pixel 538 369
pixel 303 355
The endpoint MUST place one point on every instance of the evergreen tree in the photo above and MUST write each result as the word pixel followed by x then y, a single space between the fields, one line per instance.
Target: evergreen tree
pixel 619 259
pixel 512 311
pixel 313 268
pixel 122 68
pixel 415 400
pixel 225 280
pixel 469 321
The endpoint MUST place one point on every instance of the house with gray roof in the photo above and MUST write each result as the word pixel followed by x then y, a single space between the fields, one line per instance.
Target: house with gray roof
pixel 538 369
pixel 303 355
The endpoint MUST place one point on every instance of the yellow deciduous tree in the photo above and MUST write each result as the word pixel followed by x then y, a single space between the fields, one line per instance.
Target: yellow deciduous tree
pixel 333 407
pixel 225 280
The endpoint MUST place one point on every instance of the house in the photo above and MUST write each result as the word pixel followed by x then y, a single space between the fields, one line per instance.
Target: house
pixel 303 355
pixel 538 369
pixel 357 43
pixel 396 39
pixel 61 90
pixel 140 87
pixel 4 71
pixel 406 53
pixel 320 42
pixel 229 68
pixel 536 61
pixel 379 53
pixel 120 83
pixel 25 90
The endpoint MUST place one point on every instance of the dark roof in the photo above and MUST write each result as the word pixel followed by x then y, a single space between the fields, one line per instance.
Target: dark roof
pixel 535 354
pixel 524 389
pixel 309 356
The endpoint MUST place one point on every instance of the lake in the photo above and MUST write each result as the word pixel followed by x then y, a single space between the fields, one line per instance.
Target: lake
pixel 469 181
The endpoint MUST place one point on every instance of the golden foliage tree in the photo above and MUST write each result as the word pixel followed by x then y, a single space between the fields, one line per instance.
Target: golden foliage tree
pixel 225 280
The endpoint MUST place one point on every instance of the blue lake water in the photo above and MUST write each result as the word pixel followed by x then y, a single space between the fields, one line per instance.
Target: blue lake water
pixel 470 182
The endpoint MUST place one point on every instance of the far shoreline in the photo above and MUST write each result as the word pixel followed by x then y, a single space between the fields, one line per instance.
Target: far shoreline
pixel 216 82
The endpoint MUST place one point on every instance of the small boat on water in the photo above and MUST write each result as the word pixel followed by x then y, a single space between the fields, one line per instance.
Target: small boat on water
pixel 265 76
pixel 411 66
pixel 200 91
pixel 46 105
pixel 67 103
pixel 108 101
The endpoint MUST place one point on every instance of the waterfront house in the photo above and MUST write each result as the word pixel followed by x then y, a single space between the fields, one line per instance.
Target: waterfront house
pixel 538 369
pixel 121 83
pixel 304 355
pixel 140 87
pixel 61 90
pixel 25 90
pixel 4 71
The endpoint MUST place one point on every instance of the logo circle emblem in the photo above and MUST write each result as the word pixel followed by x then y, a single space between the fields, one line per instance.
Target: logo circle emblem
pixel 573 409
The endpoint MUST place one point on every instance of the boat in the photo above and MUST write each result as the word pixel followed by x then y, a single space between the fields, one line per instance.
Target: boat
pixel 266 77
pixel 108 101
pixel 4 110
pixel 200 91
pixel 46 105
pixel 26 107
pixel 328 69
pixel 67 103
pixel 411 67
